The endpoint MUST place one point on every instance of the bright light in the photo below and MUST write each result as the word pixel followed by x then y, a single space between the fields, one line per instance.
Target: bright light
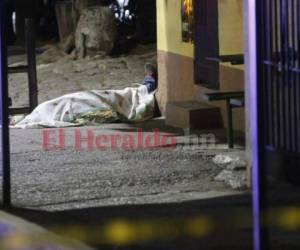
pixel 188 7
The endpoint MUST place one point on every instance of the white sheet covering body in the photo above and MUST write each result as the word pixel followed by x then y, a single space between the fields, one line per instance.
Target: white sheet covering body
pixel 92 108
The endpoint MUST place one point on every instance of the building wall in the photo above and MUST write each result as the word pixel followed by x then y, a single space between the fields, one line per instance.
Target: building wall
pixel 169 28
pixel 231 26
pixel 175 58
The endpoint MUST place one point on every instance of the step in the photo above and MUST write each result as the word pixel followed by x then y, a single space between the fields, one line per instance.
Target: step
pixel 193 114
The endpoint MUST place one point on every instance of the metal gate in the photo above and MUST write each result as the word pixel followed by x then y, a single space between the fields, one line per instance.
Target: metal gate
pixel 4 130
pixel 278 41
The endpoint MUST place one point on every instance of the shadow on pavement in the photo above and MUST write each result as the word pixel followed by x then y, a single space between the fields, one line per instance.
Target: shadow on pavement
pixel 219 223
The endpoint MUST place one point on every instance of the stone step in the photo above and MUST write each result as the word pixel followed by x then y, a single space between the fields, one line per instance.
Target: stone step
pixel 193 114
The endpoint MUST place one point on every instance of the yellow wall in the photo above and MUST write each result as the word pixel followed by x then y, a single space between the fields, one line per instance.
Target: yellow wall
pixel 169 27
pixel 231 34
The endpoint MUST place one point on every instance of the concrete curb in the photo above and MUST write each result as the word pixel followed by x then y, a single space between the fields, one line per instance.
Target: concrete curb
pixel 24 232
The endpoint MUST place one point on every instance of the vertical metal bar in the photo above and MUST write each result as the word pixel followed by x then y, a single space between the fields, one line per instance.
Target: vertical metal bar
pixel 4 147
pixel 252 23
pixel 288 84
pixel 254 76
pixel 273 74
pixel 229 124
pixel 298 77
pixel 282 78
pixel 287 77
pixel 269 72
pixel 293 78
pixel 264 57
pixel 276 60
pixel 31 60
pixel 266 74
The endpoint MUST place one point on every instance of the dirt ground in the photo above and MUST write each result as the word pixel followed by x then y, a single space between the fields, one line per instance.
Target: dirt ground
pixel 60 74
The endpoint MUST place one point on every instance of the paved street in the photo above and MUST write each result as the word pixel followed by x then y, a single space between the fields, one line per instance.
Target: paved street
pixel 65 179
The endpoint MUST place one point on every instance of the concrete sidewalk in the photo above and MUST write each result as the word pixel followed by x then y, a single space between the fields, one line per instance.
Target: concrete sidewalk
pixel 19 234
